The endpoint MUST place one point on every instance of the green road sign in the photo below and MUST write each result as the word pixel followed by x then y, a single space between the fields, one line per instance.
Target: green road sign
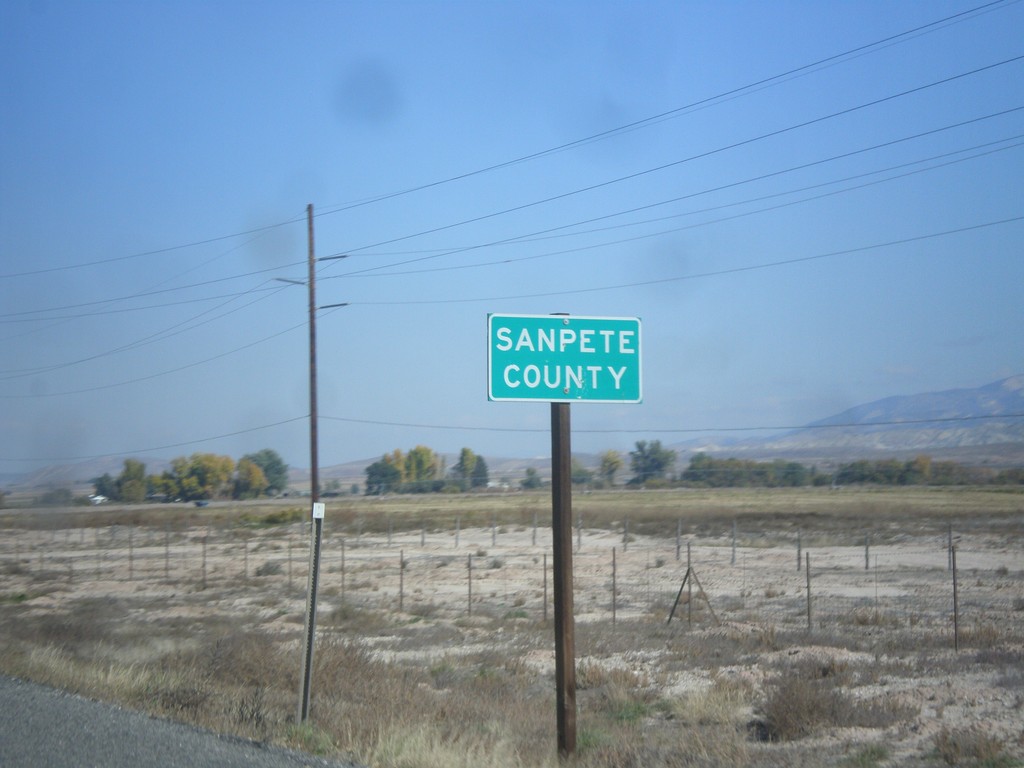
pixel 563 358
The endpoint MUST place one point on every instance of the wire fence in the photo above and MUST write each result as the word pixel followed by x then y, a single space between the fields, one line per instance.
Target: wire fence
pixel 505 572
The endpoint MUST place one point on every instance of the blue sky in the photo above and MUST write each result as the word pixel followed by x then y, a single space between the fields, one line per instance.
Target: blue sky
pixel 809 205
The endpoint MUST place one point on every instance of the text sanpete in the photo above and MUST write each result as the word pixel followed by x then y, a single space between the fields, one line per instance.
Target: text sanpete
pixel 588 341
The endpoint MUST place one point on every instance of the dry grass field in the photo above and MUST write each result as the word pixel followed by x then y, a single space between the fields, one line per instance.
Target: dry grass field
pixel 435 645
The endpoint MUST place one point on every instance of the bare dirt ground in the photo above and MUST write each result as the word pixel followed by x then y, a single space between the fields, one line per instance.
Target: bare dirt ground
pixel 914 670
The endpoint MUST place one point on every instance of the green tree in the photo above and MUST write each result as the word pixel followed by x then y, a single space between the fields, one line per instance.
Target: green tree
pixel 580 474
pixel 611 463
pixel 532 479
pixel 650 461
pixel 274 469
pixel 480 477
pixel 200 476
pixel 422 468
pixel 105 485
pixel 250 482
pixel 131 483
pixel 463 469
pixel 383 477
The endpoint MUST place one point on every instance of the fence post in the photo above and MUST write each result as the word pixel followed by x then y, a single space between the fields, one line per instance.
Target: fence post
pixel 535 528
pixel 733 561
pixel 245 557
pixel 613 586
pixel 949 548
pixel 401 579
pixel 867 551
pixel 494 532
pixel 956 603
pixel 579 533
pixel 808 573
pixel 389 531
pixel 131 554
pixel 625 534
pixel 167 553
pixel 469 585
pixel 798 548
pixel 689 589
pixel 343 570
pixel 679 539
pixel 289 562
pixel 545 575
pixel 458 530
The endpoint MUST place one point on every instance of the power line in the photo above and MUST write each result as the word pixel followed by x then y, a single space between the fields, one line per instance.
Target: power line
pixel 141 254
pixel 685 430
pixel 160 447
pixel 158 374
pixel 549 232
pixel 161 335
pixel 757 85
pixel 142 294
pixel 467 428
pixel 701 275
pixel 691 107
pixel 676 163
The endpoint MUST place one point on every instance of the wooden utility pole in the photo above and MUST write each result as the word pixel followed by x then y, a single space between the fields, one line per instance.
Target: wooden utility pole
pixel 561 530
pixel 314 474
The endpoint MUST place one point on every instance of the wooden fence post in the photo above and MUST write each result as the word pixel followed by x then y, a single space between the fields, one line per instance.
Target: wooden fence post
pixel 808 573
pixel 956 603
pixel 613 586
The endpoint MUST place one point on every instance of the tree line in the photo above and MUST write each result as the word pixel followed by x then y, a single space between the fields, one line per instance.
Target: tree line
pixel 421 470
pixel 652 466
pixel 199 477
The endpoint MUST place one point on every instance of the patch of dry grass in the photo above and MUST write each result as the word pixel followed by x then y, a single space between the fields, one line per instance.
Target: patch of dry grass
pixel 433 686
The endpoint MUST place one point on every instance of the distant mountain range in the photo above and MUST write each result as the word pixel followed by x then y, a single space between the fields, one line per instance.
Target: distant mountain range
pixel 977 426
pixel 984 425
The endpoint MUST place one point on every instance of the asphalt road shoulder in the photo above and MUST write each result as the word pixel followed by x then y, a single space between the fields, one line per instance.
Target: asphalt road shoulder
pixel 43 727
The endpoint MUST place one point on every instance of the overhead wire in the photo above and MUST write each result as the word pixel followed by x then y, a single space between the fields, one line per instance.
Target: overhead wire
pixel 164 447
pixel 831 60
pixel 700 275
pixel 710 209
pixel 518 239
pixel 527 430
pixel 498 213
pixel 675 163
pixel 676 111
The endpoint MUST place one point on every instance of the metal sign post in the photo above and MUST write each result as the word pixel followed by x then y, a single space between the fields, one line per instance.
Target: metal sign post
pixel 563 359
pixel 561 533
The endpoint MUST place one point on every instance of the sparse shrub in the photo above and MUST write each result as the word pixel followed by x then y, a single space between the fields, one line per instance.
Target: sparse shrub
pixel 867 757
pixel 809 697
pixel 270 568
pixel 970 747
pixel 796 706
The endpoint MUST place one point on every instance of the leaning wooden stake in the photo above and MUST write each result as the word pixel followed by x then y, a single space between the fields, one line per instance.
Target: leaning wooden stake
pixel 692 574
